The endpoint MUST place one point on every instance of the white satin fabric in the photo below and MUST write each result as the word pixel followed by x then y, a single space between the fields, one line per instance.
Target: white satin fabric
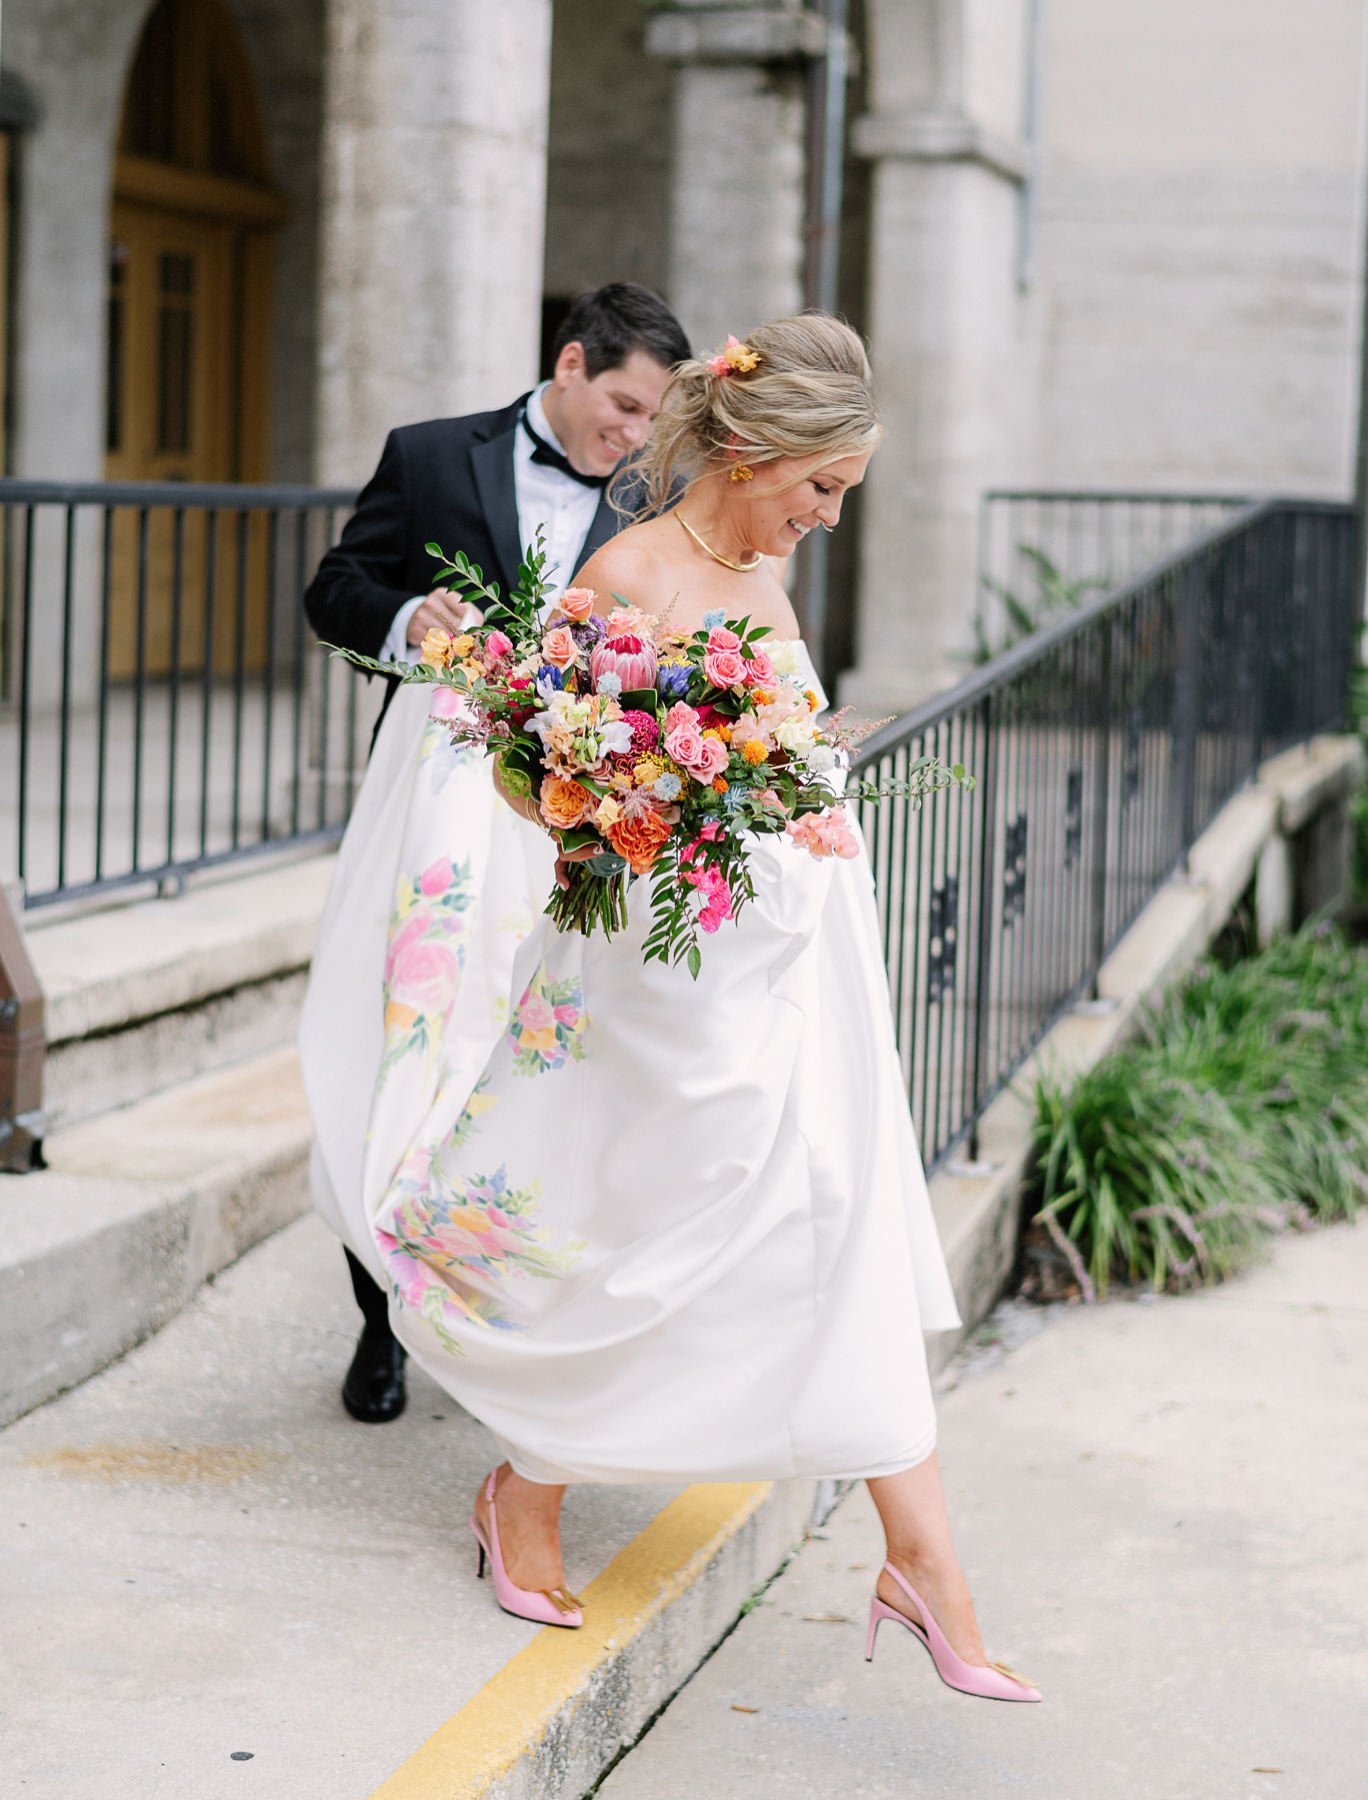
pixel 644 1228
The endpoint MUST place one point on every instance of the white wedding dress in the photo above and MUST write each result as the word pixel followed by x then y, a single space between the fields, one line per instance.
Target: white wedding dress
pixel 644 1228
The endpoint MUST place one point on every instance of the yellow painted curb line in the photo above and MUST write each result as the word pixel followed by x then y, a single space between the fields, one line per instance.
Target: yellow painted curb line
pixel 511 1714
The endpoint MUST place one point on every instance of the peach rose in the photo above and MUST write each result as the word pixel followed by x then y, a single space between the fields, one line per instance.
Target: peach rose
pixel 559 647
pixel 577 603
pixel 640 841
pixel 563 804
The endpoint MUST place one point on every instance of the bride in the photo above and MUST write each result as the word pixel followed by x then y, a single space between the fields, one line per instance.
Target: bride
pixel 646 1228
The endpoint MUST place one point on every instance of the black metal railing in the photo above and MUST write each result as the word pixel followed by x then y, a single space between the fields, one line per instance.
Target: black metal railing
pixel 162 703
pixel 1039 549
pixel 1102 748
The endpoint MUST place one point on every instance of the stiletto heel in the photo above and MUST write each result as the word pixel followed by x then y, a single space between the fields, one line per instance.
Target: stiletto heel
pixel 996 1682
pixel 544 1606
pixel 480 1565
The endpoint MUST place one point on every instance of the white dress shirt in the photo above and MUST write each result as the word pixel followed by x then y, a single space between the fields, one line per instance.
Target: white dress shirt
pixel 562 506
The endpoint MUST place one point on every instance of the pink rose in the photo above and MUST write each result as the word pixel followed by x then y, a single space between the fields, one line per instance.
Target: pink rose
pixel 712 761
pixel 724 668
pixel 437 877
pixel 498 646
pixel 577 603
pixel 760 671
pixel 719 638
pixel 681 713
pixel 423 976
pixel 628 621
pixel 536 1013
pixel 559 647
pixel 567 1015
pixel 684 745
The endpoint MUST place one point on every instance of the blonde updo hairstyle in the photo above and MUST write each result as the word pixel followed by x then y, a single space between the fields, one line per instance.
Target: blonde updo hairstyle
pixel 808 397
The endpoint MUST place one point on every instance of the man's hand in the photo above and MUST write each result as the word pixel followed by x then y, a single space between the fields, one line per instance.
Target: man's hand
pixel 445 610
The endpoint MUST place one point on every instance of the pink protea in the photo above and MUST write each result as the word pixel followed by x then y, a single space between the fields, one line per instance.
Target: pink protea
pixel 629 657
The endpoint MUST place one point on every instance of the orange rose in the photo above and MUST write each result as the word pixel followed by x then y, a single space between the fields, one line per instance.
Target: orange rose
pixel 577 603
pixel 640 840
pixel 559 648
pixel 563 804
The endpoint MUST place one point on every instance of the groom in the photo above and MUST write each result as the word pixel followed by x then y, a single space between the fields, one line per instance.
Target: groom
pixel 483 484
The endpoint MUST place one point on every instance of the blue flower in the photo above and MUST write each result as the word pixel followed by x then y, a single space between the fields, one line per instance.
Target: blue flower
pixel 667 787
pixel 734 795
pixel 715 617
pixel 549 677
pixel 672 679
pixel 608 683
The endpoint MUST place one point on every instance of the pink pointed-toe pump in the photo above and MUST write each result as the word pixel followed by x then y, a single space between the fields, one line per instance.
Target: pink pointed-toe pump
pixel 543 1606
pixel 996 1682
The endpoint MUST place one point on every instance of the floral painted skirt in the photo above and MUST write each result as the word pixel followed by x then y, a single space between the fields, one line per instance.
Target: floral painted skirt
pixel 645 1228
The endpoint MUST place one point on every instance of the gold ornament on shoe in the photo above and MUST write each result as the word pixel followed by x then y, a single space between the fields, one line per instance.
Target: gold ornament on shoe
pixel 1013 1674
pixel 562 1599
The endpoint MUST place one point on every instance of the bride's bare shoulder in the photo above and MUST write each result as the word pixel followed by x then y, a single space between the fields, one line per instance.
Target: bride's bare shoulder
pixel 631 564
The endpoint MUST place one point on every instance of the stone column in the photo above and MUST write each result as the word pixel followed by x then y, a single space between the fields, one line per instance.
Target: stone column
pixel 943 311
pixel 433 215
pixel 737 183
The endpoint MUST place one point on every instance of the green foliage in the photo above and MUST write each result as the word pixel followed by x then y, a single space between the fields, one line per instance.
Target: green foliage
pixel 1054 597
pixel 1241 1108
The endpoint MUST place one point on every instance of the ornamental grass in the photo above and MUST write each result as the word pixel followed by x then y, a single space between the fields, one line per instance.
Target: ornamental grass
pixel 1240 1108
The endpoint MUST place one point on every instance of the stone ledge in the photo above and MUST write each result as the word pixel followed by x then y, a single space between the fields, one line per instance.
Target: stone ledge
pixel 940 137
pixel 134 1212
pixel 735 35
pixel 1308 775
pixel 103 971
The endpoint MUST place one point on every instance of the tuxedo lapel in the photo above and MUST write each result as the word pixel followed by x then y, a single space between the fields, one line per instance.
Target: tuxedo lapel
pixel 491 464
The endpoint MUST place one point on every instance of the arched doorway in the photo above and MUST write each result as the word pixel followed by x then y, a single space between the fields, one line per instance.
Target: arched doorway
pixel 188 317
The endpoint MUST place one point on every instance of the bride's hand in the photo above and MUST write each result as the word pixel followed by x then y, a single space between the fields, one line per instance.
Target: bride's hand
pixel 566 857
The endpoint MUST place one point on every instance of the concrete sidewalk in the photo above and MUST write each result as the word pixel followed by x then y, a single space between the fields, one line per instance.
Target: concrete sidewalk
pixel 1163 1508
pixel 213 1583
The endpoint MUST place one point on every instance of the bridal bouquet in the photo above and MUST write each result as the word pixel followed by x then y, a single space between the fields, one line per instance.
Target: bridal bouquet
pixel 664 751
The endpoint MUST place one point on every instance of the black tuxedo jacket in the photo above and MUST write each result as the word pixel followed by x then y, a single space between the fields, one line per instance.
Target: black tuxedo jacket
pixel 449 482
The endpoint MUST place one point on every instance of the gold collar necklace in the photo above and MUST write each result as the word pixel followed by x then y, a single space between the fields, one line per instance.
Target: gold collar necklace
pixel 717 556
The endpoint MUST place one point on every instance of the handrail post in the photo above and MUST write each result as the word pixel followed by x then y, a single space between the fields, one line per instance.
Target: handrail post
pixel 1101 820
pixel 1187 619
pixel 983 954
pixel 23 1043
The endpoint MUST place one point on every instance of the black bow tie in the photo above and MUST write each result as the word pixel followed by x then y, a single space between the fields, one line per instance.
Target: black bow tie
pixel 542 452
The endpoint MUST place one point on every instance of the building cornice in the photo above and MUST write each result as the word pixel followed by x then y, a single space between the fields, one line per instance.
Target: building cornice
pixel 948 136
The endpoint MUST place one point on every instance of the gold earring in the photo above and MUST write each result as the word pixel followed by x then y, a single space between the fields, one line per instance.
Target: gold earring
pixel 742 472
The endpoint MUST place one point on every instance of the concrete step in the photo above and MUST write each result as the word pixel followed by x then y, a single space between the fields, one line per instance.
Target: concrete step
pixel 145 996
pixel 135 1210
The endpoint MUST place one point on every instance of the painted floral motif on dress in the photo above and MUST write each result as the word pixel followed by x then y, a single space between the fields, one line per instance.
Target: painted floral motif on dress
pixel 547 1028
pixel 424 958
pixel 447 1245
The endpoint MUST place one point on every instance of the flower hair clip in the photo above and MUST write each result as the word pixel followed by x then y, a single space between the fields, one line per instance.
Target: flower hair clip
pixel 735 358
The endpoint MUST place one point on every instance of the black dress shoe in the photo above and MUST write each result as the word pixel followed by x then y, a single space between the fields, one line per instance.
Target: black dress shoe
pixel 374 1389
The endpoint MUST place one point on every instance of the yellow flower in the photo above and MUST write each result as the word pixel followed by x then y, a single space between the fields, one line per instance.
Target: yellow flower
pixel 741 357
pixel 609 812
pixel 812 701
pixel 649 769
pixel 437 647
pixel 463 645
pixel 754 752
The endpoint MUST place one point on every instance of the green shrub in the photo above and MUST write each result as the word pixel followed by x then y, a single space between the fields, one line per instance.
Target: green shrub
pixel 1241 1107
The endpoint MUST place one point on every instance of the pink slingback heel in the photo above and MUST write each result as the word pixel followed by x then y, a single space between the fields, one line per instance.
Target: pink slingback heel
pixel 543 1606
pixel 996 1682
